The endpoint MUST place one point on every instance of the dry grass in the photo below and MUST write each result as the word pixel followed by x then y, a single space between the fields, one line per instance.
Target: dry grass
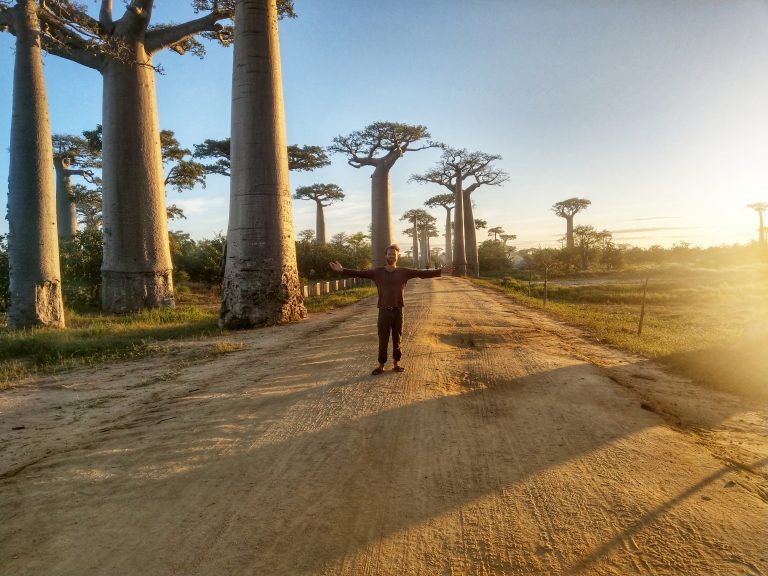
pixel 711 325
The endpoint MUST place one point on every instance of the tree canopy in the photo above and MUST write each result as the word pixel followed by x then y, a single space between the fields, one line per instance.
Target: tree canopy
pixel 380 141
pixel 300 158
pixel 325 194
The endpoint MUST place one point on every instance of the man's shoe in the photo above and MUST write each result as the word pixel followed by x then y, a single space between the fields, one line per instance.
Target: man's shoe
pixel 398 369
pixel 377 371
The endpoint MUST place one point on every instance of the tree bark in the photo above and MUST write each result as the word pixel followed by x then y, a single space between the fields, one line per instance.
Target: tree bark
pixel 415 243
pixel 261 279
pixel 448 243
pixel 66 210
pixel 381 213
pixel 33 247
pixel 136 270
pixel 320 223
pixel 459 246
pixel 569 232
pixel 470 238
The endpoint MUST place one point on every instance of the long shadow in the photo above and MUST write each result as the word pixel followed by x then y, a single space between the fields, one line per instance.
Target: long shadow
pixel 647 520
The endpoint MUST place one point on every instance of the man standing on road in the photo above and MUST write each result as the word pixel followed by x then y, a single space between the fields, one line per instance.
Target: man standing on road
pixel 390 283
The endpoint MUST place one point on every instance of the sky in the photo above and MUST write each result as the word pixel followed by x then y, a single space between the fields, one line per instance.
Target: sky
pixel 654 110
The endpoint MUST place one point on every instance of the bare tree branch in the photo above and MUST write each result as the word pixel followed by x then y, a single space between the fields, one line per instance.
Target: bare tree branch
pixel 84 57
pixel 166 37
pixel 105 16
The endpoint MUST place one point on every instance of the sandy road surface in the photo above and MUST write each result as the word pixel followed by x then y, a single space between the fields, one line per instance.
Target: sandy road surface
pixel 511 445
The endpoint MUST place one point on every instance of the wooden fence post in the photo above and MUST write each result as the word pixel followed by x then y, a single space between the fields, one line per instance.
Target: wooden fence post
pixel 642 308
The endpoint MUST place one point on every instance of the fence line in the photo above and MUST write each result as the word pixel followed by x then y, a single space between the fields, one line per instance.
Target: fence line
pixel 329 286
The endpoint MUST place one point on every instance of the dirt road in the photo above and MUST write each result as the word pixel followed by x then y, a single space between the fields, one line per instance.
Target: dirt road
pixel 511 445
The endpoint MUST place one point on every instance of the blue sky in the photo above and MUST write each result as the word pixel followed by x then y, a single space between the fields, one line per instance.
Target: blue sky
pixel 655 110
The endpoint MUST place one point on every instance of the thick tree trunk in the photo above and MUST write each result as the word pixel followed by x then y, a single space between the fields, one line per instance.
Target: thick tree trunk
pixel 35 279
pixel 136 270
pixel 424 260
pixel 66 211
pixel 381 215
pixel 470 238
pixel 415 244
pixel 569 232
pixel 261 279
pixel 320 223
pixel 448 242
pixel 459 250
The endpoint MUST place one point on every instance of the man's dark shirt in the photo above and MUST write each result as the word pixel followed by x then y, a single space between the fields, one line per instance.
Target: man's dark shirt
pixel 391 284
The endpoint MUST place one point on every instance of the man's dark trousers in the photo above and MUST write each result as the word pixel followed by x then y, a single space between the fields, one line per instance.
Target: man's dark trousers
pixel 390 320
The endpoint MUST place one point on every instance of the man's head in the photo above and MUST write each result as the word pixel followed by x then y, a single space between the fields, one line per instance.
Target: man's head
pixel 392 254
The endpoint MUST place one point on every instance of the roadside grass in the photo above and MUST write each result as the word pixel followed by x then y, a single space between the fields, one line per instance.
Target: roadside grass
pixel 709 324
pixel 328 302
pixel 93 337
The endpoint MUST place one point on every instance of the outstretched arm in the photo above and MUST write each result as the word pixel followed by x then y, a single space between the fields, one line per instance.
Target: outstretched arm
pixel 429 273
pixel 337 267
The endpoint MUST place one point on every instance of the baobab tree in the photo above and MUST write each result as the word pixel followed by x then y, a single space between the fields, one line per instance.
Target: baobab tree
pixel 261 277
pixel 760 207
pixel 495 232
pixel 447 201
pixel 33 248
pixel 568 209
pixel 507 237
pixel 380 145
pixel 69 150
pixel 426 231
pixel 416 217
pixel 454 167
pixel 324 195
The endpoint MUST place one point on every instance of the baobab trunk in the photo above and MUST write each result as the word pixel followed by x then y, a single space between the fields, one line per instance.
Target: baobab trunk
pixel 136 270
pixel 33 247
pixel 569 232
pixel 66 210
pixel 459 250
pixel 320 223
pixel 261 279
pixel 448 243
pixel 424 261
pixel 381 214
pixel 470 239
pixel 415 244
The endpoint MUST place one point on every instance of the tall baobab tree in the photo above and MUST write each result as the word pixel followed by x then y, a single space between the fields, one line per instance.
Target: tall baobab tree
pixel 760 207
pixel 300 158
pixel 324 195
pixel 69 150
pixel 454 167
pixel 426 231
pixel 33 248
pixel 507 237
pixel 261 277
pixel 447 201
pixel 495 232
pixel 416 217
pixel 568 209
pixel 380 145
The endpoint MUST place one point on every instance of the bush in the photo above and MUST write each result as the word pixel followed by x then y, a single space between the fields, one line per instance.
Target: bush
pixel 492 256
pixel 80 259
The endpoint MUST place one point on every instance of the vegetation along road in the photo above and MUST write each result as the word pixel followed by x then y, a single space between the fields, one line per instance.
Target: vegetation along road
pixel 512 444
